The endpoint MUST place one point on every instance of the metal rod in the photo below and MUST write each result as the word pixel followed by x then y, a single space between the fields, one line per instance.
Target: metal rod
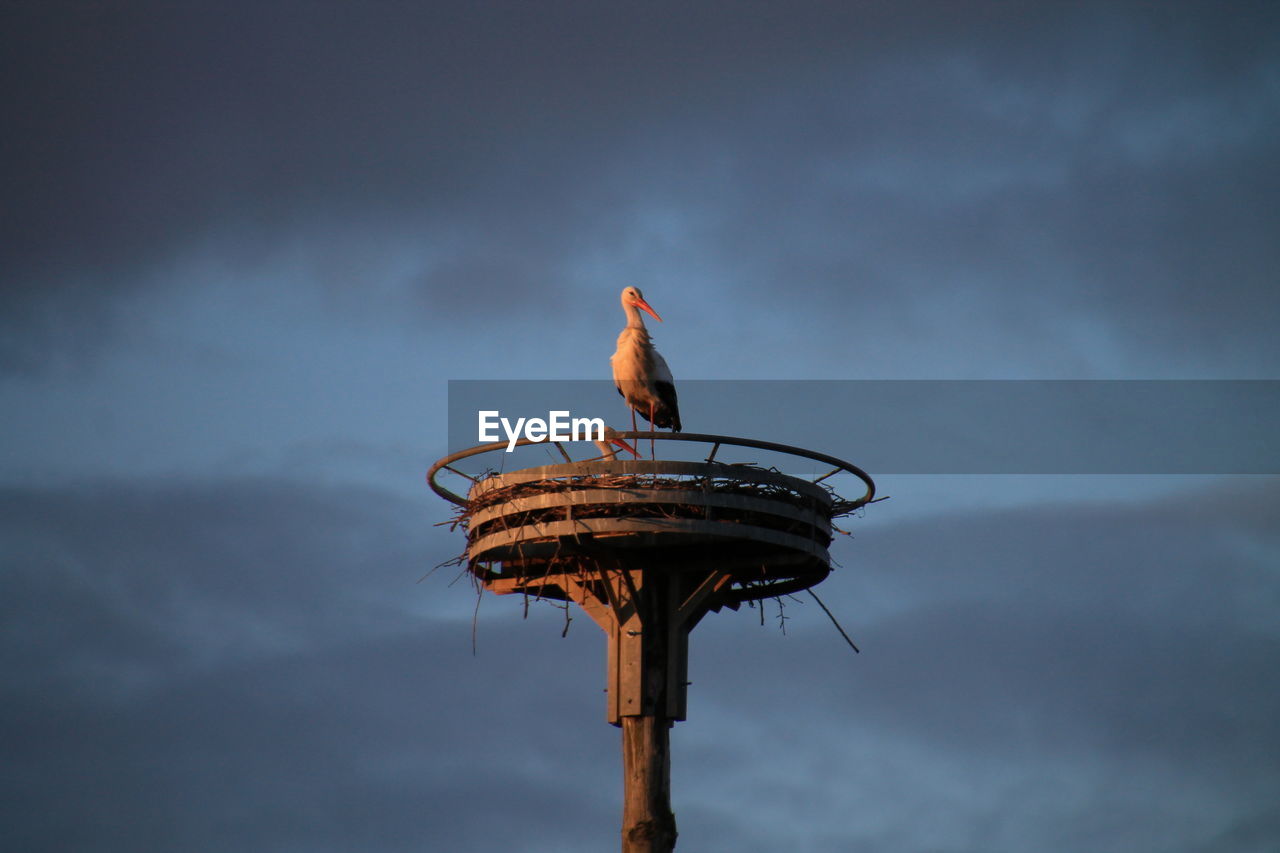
pixel 665 436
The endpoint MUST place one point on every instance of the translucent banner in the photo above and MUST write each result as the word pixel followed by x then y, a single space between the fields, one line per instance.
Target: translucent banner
pixel 931 426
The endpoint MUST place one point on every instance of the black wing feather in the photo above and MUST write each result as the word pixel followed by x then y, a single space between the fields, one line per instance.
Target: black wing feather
pixel 668 413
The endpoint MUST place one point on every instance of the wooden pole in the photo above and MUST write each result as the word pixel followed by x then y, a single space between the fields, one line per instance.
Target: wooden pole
pixel 648 824
pixel 648 615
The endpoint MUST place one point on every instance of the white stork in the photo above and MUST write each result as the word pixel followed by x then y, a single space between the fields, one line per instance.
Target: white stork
pixel 639 372
pixel 608 452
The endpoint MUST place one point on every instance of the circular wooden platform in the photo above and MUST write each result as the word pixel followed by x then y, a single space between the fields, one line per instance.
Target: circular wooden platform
pixel 768 530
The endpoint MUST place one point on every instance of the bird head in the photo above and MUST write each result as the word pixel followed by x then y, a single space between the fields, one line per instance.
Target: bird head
pixel 631 296
pixel 611 437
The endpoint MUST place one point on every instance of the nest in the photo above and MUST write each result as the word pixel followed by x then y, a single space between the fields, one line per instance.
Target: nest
pixel 634 489
pixel 770 530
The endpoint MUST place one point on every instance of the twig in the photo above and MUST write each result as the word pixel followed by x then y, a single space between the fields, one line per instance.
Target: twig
pixel 456 561
pixel 567 620
pixel 834 622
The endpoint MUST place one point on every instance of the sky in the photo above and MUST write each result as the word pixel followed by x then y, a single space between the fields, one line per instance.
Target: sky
pixel 245 247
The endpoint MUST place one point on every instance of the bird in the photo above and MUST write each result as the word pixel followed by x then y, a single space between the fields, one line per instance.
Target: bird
pixel 608 452
pixel 640 374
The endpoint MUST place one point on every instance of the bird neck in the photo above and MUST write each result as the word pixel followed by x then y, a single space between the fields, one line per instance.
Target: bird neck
pixel 634 320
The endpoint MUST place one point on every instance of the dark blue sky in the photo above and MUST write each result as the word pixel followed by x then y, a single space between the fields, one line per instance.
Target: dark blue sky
pixel 245 246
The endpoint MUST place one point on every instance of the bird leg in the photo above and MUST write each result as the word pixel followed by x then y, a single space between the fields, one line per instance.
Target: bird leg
pixel 652 430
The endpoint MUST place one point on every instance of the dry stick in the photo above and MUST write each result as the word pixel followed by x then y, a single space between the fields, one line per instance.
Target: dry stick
pixel 833 621
pixel 475 616
pixel 456 561
pixel 460 473
pixel 828 474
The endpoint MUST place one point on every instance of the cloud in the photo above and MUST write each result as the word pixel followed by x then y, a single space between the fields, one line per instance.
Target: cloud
pixel 249 229
pixel 1103 671
pixel 251 663
pixel 1060 162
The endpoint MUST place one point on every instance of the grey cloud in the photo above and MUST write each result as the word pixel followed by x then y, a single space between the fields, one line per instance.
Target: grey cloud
pixel 383 745
pixel 154 697
pixel 202 665
pixel 115 581
pixel 1060 644
pixel 248 663
pixel 517 141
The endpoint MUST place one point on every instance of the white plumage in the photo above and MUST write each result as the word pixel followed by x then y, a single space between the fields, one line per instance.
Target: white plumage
pixel 640 372
pixel 607 448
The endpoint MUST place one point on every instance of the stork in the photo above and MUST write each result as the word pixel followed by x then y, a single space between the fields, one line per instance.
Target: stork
pixel 608 452
pixel 639 372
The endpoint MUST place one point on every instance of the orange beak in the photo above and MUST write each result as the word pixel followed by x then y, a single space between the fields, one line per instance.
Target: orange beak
pixel 644 306
pixel 625 447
